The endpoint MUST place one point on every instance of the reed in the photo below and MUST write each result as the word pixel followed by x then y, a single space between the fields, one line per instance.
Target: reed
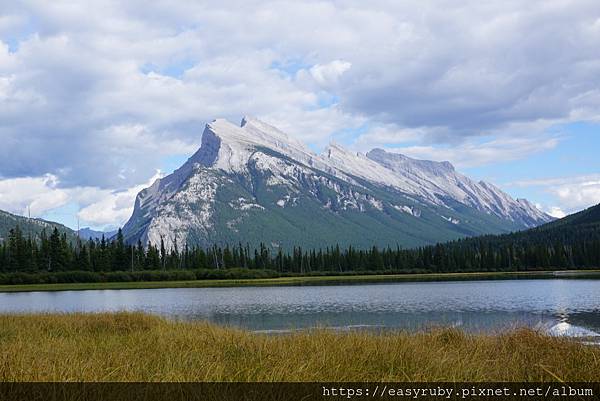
pixel 139 347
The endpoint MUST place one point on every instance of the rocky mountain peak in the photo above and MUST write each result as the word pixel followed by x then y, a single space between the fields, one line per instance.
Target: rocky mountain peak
pixel 252 182
pixel 399 162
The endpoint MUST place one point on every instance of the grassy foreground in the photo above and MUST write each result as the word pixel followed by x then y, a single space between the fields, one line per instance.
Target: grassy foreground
pixel 301 280
pixel 137 347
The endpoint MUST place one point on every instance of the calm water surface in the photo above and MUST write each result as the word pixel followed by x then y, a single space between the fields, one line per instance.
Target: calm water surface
pixel 558 304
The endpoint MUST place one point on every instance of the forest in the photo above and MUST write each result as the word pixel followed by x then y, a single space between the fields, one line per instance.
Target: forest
pixel 50 257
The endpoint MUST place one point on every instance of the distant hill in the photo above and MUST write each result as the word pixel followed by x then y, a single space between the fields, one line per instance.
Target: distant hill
pixel 569 243
pixel 34 227
pixel 87 233
pixel 573 229
pixel 589 217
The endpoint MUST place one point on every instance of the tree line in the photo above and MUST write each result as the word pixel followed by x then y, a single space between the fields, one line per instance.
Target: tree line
pixel 576 247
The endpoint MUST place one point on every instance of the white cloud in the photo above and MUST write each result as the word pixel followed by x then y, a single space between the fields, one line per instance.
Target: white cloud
pixel 477 66
pixel 96 96
pixel 557 212
pixel 72 89
pixel 389 135
pixel 328 75
pixel 39 194
pixel 472 153
pixel 171 67
pixel 571 194
pixel 112 207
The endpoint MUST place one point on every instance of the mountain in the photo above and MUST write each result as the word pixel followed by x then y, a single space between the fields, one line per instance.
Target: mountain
pixel 252 183
pixel 87 233
pixel 439 180
pixel 9 221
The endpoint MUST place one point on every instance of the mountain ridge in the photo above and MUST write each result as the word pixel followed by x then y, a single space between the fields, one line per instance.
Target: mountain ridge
pixel 33 226
pixel 253 183
pixel 87 233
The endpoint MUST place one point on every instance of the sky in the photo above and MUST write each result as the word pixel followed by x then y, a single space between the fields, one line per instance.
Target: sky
pixel 100 98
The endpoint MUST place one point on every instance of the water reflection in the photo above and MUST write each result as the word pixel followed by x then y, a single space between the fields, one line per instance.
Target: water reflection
pixel 471 305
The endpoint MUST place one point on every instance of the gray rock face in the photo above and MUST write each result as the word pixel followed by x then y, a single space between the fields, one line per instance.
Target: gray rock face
pixel 252 183
pixel 442 181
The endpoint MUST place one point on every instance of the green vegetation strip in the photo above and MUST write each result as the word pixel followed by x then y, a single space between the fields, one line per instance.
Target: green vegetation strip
pixel 304 280
pixel 141 348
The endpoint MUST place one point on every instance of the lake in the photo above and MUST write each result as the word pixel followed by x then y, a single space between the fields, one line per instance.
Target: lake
pixel 560 306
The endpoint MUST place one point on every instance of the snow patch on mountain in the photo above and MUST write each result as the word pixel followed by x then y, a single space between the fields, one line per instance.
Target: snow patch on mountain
pixel 337 179
pixel 245 204
pixel 441 183
pixel 376 203
pixel 409 210
pixel 451 220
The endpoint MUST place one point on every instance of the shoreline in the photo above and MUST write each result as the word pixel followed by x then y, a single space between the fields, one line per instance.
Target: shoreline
pixel 305 280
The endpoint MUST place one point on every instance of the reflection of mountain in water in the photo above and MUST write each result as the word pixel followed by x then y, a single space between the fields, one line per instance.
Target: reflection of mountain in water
pixel 291 320
pixel 558 307
pixel 589 319
pixel 564 329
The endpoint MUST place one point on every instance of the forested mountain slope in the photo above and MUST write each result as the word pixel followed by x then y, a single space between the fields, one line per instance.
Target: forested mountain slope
pixel 28 226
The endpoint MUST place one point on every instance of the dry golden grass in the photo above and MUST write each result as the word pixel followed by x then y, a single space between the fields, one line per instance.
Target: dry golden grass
pixel 138 347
